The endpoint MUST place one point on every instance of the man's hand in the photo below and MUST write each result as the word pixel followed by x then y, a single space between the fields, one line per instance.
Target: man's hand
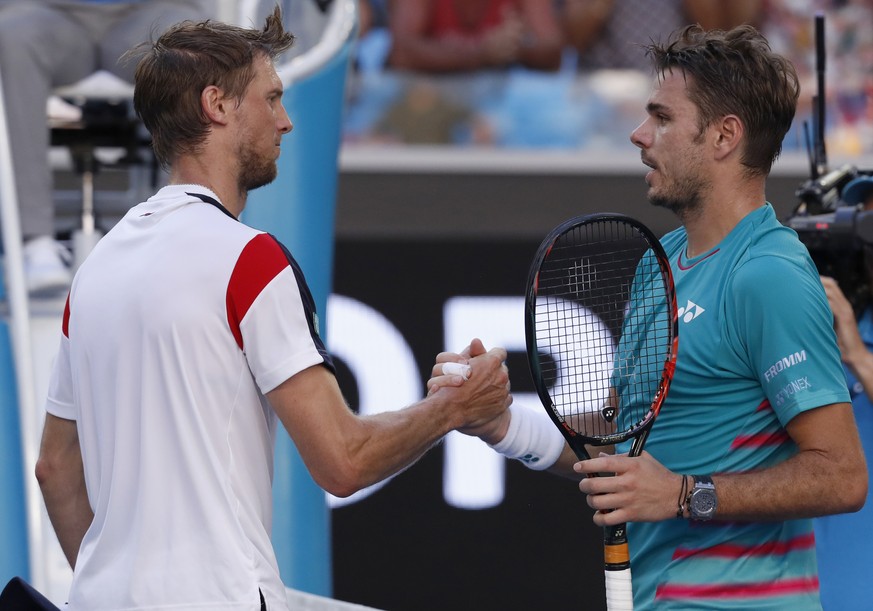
pixel 489 424
pixel 640 490
pixel 849 340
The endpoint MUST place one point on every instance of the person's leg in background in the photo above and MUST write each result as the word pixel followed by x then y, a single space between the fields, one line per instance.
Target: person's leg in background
pixel 46 45
pixel 40 47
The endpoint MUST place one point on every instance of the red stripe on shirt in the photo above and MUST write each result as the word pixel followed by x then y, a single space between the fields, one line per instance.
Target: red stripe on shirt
pixel 733 551
pixel 259 262
pixel 759 440
pixel 65 324
pixel 782 587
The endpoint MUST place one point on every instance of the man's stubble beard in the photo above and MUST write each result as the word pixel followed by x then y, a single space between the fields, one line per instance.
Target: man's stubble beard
pixel 684 199
pixel 255 171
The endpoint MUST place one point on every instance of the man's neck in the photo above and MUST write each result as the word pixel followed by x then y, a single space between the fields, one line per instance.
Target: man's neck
pixel 192 172
pixel 717 217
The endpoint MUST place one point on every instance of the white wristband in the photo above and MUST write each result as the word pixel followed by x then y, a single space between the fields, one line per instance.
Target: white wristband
pixel 531 438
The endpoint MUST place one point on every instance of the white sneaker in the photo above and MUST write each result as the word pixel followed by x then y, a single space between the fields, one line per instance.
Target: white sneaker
pixel 45 266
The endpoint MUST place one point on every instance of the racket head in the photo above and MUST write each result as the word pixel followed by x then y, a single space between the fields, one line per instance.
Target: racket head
pixel 601 329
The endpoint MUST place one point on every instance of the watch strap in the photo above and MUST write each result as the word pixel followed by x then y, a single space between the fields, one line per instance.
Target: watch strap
pixel 702 480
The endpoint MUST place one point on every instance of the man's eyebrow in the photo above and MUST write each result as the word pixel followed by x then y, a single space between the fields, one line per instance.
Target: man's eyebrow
pixel 655 107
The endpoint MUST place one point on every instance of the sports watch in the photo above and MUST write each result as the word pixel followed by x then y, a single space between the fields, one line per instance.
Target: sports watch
pixel 702 501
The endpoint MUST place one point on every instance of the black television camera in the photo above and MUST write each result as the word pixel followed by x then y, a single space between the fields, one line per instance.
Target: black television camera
pixel 832 222
pixel 830 218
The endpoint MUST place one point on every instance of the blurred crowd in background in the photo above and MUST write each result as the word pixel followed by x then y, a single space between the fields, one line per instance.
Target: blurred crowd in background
pixel 572 74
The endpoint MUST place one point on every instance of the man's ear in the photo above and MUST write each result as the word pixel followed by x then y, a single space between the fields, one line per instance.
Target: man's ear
pixel 729 134
pixel 214 104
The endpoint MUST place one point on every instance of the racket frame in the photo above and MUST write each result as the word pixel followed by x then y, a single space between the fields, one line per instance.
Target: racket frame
pixel 639 433
pixel 619 593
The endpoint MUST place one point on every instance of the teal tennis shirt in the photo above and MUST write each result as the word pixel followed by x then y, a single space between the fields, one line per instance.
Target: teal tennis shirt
pixel 756 348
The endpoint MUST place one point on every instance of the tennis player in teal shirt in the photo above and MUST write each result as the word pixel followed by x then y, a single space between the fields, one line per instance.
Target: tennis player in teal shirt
pixel 757 435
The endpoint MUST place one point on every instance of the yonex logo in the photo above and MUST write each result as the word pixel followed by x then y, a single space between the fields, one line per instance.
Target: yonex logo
pixel 690 311
pixel 530 459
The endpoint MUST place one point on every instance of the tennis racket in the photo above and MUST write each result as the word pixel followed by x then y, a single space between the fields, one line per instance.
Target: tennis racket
pixel 602 333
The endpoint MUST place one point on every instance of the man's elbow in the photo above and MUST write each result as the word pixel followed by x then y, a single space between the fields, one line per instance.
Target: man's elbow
pixel 58 469
pixel 855 501
pixel 853 494
pixel 340 487
pixel 47 470
pixel 341 482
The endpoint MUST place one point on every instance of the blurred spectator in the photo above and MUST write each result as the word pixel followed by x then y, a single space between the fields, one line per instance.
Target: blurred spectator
pixel 368 16
pixel 45 44
pixel 608 34
pixel 444 40
pixel 790 28
pixel 373 38
pixel 424 115
pixel 465 35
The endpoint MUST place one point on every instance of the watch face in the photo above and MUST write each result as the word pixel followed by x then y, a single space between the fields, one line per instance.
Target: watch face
pixel 703 503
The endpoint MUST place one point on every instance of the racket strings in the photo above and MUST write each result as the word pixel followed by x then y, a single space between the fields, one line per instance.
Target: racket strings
pixel 603 319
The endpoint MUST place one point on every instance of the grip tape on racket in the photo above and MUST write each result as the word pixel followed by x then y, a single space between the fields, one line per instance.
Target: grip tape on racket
pixel 619 593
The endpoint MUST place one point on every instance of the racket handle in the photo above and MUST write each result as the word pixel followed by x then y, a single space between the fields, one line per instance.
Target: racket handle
pixel 619 594
pixel 616 560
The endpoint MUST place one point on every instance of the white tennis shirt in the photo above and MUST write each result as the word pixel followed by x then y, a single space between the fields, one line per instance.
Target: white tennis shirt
pixel 176 324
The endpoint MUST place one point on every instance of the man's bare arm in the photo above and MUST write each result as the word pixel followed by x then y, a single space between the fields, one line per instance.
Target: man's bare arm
pixel 61 477
pixel 827 475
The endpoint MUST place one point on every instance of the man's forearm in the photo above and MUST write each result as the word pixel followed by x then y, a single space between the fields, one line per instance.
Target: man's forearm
pixel 61 478
pixel 826 476
pixel 71 516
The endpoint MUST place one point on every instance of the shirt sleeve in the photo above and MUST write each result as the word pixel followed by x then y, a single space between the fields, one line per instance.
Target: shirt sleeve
pixel 59 401
pixel 272 314
pixel 783 325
